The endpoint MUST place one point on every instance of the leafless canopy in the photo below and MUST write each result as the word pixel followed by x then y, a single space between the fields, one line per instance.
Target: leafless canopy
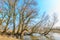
pixel 17 15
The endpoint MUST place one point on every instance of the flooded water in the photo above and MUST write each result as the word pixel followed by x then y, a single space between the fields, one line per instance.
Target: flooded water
pixel 54 36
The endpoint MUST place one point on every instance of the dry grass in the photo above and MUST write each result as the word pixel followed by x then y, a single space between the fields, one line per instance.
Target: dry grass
pixel 4 37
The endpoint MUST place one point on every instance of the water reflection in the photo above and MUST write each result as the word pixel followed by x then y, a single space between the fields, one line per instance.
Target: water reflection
pixel 27 37
pixel 51 36
pixel 56 36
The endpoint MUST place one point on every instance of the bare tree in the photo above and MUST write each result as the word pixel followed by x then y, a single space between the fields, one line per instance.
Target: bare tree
pixel 27 12
pixel 44 26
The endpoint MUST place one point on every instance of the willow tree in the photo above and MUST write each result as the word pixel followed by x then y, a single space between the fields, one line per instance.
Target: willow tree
pixel 26 10
pixel 8 13
pixel 3 14
pixel 45 26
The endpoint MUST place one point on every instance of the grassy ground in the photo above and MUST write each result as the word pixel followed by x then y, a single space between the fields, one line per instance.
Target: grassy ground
pixel 4 37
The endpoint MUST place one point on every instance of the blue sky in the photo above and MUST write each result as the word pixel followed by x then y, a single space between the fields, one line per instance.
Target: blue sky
pixel 50 6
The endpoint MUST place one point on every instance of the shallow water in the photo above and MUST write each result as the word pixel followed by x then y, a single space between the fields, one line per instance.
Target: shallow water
pixel 54 36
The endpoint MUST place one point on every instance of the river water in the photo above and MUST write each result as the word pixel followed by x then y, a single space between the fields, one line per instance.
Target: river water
pixel 53 36
pixel 56 36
